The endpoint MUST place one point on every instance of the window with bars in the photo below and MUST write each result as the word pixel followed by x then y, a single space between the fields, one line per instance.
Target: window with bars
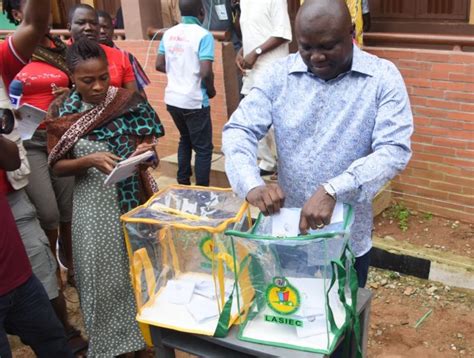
pixel 421 9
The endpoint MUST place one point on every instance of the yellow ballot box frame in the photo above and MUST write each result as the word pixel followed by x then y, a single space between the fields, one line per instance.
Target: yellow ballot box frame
pixel 179 259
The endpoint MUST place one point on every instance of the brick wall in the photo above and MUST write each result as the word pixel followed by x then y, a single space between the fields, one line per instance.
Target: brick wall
pixel 440 176
pixel 155 93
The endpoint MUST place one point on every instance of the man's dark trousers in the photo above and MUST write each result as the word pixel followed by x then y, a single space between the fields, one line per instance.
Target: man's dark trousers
pixel 195 129
pixel 27 313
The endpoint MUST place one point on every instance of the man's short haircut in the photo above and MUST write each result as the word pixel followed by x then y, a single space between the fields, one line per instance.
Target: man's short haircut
pixel 82 50
pixel 73 9
pixel 190 7
pixel 105 15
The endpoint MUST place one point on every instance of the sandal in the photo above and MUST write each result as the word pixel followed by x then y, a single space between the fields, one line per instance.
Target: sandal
pixel 76 343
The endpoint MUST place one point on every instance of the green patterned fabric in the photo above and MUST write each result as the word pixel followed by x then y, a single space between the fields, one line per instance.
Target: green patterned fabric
pixel 121 135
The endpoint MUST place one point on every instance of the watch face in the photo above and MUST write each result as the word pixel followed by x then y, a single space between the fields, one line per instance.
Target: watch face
pixel 258 51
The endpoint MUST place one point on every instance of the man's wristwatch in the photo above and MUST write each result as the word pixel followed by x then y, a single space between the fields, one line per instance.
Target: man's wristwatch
pixel 328 188
pixel 258 51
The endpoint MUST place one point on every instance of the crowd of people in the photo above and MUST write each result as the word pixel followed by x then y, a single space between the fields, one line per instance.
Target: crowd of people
pixel 338 117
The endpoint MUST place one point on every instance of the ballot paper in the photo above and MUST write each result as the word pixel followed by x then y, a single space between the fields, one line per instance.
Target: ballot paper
pixel 203 309
pixel 28 119
pixel 127 167
pixel 286 222
pixel 178 292
pixel 207 287
pixel 312 326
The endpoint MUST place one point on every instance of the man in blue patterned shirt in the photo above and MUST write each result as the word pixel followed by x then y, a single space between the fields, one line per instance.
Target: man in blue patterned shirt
pixel 342 123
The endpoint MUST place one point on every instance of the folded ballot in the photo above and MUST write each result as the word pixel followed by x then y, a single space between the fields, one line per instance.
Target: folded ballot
pixel 186 303
pixel 178 292
pixel 203 309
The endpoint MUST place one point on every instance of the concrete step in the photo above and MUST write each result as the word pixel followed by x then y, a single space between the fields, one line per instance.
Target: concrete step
pixel 448 268
pixel 169 167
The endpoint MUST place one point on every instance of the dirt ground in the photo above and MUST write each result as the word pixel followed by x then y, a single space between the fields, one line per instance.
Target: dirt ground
pixel 400 302
pixel 424 229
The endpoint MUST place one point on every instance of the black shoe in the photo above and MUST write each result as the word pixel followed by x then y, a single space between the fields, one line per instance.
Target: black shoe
pixel 264 173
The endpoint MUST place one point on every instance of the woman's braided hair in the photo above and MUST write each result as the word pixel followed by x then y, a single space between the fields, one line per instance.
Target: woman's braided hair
pixel 82 50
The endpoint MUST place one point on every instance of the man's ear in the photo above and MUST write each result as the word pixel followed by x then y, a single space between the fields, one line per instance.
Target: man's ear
pixel 68 26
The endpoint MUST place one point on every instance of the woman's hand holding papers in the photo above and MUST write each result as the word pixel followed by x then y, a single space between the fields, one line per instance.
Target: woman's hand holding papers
pixel 103 161
pixel 143 148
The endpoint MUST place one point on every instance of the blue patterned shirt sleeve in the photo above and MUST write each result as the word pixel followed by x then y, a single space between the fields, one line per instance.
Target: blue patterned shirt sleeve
pixel 352 132
pixel 390 142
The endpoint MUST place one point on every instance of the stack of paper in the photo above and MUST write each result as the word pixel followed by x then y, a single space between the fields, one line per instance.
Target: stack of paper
pixel 126 168
pixel 190 299
pixel 202 308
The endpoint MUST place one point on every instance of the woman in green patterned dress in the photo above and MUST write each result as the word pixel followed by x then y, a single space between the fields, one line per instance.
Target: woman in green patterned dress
pixel 89 130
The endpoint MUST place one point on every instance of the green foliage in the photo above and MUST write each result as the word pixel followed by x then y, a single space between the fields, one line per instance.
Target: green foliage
pixel 428 216
pixel 400 213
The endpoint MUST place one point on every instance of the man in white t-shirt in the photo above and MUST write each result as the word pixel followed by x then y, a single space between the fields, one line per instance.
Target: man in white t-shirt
pixel 266 33
pixel 186 54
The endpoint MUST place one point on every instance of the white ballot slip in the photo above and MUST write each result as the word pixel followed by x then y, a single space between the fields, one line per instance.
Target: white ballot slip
pixel 30 119
pixel 286 222
pixel 312 326
pixel 127 168
pixel 202 308
pixel 179 292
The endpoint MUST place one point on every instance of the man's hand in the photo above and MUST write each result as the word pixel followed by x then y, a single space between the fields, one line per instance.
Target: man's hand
pixel 268 198
pixel 103 161
pixel 250 59
pixel 239 60
pixel 211 92
pixel 317 211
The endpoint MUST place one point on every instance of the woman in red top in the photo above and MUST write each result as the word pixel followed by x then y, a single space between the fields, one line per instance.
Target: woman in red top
pixel 44 78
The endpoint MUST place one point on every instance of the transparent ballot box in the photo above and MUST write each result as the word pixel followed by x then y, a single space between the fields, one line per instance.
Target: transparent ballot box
pixel 296 292
pixel 182 271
